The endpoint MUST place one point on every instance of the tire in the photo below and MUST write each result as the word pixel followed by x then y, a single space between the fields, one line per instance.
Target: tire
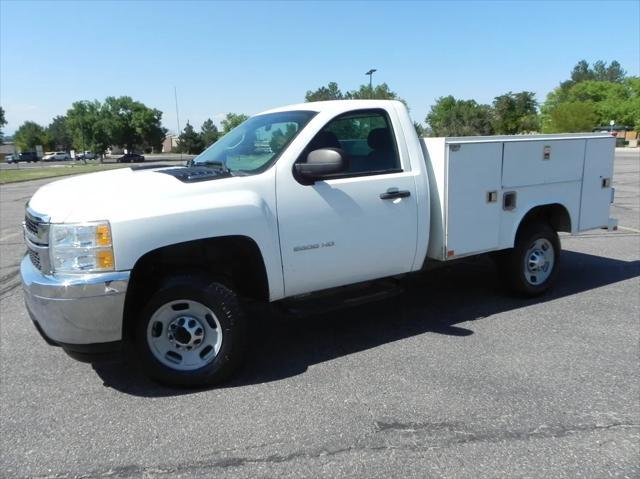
pixel 531 267
pixel 191 333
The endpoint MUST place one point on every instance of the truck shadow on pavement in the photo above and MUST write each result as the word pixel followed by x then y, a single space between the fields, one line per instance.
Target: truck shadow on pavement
pixel 434 302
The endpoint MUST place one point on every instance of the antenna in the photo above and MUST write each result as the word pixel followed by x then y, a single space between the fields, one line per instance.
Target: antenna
pixel 175 94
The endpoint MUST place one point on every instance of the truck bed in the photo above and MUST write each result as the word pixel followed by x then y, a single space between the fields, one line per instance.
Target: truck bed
pixel 482 187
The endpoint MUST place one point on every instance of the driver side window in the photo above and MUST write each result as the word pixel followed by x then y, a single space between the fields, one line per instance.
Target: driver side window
pixel 367 139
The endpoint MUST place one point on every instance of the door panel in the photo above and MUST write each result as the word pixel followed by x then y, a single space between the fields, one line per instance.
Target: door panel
pixel 596 199
pixel 473 219
pixel 340 231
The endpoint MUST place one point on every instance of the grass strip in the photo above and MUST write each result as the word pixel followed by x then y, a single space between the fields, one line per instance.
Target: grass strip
pixel 26 174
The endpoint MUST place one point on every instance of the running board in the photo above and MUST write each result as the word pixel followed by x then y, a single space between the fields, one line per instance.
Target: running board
pixel 340 298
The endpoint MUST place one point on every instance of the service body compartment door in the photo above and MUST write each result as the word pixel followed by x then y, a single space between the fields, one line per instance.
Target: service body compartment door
pixel 596 183
pixel 473 197
pixel 541 162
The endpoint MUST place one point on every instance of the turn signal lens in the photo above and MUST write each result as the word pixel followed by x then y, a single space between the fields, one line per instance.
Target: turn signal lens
pixel 105 259
pixel 103 235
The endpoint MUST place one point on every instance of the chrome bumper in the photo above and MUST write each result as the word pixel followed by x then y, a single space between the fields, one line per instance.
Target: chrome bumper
pixel 75 309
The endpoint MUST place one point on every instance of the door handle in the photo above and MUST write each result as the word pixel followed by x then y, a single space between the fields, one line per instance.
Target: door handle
pixel 390 195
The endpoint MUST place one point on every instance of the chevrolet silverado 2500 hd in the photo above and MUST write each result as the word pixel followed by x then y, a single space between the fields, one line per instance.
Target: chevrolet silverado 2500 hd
pixel 297 200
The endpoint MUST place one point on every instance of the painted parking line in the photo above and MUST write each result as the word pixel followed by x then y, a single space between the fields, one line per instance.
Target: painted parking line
pixel 628 229
pixel 10 235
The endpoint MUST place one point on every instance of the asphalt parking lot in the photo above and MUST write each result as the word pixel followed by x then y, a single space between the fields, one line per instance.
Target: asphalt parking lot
pixel 451 379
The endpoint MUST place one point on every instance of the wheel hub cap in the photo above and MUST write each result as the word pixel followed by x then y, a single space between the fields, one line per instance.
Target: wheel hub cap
pixel 539 261
pixel 186 332
pixel 184 335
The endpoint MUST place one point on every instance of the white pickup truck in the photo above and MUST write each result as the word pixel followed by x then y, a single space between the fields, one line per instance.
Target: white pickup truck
pixel 296 203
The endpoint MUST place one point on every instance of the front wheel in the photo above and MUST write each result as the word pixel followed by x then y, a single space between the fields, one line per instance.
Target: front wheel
pixel 192 332
pixel 532 266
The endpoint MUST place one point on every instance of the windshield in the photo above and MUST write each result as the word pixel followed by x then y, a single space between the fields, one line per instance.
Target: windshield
pixel 254 145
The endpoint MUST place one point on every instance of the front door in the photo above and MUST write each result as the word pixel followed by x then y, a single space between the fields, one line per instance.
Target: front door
pixel 353 227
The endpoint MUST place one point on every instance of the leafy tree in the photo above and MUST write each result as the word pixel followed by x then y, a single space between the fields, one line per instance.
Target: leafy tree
pixel 330 92
pixel 209 133
pixel 451 117
pixel 89 125
pixel 3 122
pixel 515 113
pixel 279 138
pixel 58 134
pixel 132 124
pixel 608 92
pixel 29 135
pixel 571 117
pixel 232 120
pixel 420 130
pixel 599 72
pixel 378 92
pixel 190 141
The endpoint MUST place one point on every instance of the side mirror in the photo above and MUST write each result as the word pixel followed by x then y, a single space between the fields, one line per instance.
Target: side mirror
pixel 321 163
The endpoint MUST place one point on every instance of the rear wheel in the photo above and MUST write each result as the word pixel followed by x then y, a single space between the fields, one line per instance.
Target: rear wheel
pixel 192 332
pixel 531 267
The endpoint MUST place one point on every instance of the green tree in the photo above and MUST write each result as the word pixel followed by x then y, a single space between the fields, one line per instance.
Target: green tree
pixel 451 117
pixel 377 92
pixel 421 131
pixel 572 117
pixel 89 126
pixel 132 124
pixel 29 135
pixel 209 133
pixel 606 90
pixel 599 72
pixel 58 134
pixel 3 122
pixel 280 138
pixel 515 113
pixel 232 120
pixel 190 141
pixel 330 92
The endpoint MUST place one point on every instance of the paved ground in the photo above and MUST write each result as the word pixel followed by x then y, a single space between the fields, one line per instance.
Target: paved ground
pixel 453 379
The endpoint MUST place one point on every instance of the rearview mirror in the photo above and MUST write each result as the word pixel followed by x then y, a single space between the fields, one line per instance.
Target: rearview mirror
pixel 321 163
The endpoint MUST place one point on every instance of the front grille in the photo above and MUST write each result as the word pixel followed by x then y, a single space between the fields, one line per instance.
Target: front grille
pixel 35 259
pixel 31 225
pixel 36 235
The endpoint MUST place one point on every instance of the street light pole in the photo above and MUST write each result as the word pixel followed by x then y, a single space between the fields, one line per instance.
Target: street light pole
pixel 370 73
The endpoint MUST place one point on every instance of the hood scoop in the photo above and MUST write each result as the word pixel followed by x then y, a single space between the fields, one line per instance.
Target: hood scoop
pixel 193 174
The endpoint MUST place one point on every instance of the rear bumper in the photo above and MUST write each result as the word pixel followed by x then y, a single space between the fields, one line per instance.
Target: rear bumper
pixel 81 313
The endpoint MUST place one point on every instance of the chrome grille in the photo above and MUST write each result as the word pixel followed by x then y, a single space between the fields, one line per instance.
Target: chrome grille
pixel 35 259
pixel 31 225
pixel 36 236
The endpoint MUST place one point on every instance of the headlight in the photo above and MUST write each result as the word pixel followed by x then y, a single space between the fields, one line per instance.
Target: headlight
pixel 81 248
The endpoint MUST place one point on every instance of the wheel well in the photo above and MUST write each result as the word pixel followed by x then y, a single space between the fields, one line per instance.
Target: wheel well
pixel 554 214
pixel 233 260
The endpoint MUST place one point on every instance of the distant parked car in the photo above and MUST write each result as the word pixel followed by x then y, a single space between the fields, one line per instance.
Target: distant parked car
pixel 11 158
pixel 130 158
pixel 86 155
pixel 56 156
pixel 29 156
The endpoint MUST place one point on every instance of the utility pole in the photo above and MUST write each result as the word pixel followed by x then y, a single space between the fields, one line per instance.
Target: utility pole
pixel 370 73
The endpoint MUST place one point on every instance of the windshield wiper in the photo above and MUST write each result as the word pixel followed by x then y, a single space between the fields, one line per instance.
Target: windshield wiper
pixel 219 164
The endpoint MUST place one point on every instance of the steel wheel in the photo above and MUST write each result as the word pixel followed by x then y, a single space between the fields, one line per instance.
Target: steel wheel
pixel 184 335
pixel 539 260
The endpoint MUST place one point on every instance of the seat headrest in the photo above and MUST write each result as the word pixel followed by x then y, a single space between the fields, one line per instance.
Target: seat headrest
pixel 379 139
pixel 324 139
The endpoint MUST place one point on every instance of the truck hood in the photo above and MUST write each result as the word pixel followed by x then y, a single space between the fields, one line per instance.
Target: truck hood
pixel 118 194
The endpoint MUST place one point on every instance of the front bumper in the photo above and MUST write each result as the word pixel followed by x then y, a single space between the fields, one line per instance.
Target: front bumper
pixel 75 310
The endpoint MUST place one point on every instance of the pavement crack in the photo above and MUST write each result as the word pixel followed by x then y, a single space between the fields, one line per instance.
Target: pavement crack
pixel 454 433
pixel 450 433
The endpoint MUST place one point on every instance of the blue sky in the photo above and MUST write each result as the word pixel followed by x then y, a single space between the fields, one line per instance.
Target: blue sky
pixel 249 56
